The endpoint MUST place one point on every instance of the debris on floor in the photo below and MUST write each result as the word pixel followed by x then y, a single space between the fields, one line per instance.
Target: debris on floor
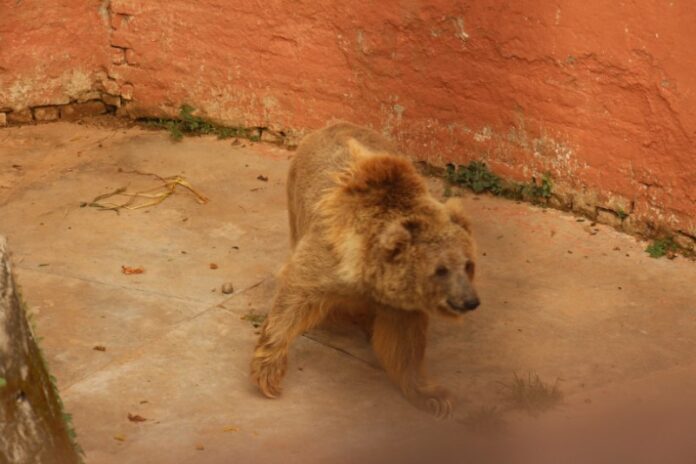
pixel 145 198
pixel 132 270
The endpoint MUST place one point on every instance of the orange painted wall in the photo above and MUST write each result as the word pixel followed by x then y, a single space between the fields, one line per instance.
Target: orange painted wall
pixel 600 94
pixel 51 51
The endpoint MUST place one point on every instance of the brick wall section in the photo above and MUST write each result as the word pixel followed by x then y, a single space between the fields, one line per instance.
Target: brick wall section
pixel 52 52
pixel 600 94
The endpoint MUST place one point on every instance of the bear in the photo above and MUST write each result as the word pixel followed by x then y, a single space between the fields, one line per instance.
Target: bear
pixel 365 233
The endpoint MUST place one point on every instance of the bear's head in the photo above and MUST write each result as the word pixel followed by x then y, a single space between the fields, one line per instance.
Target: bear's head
pixel 401 246
pixel 425 261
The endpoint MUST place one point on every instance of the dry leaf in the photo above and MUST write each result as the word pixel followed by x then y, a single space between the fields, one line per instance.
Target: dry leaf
pixel 132 270
pixel 231 428
pixel 120 437
pixel 136 418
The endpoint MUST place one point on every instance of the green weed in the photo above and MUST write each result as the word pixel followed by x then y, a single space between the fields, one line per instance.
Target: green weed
pixel 477 177
pixel 661 247
pixel 189 124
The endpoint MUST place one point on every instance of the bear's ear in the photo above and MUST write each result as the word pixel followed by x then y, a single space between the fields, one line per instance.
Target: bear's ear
pixel 357 150
pixel 394 239
pixel 455 209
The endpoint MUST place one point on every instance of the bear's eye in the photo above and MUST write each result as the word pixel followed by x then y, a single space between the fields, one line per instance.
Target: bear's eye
pixel 470 268
pixel 441 271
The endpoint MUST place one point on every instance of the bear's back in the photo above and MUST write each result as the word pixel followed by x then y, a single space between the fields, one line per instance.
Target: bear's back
pixel 318 158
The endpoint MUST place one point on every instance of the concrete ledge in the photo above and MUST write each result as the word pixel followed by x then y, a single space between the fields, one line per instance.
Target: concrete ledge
pixel 33 427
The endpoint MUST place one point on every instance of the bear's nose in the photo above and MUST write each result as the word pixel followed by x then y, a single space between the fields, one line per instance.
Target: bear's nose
pixel 472 304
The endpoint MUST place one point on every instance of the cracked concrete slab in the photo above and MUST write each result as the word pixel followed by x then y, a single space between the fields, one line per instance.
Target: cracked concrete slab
pixel 579 304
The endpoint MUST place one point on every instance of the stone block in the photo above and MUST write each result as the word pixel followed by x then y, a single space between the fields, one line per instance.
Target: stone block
pixel 80 110
pixel 46 113
pixel 20 117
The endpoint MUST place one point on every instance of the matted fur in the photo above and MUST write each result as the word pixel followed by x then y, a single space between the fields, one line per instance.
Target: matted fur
pixel 367 237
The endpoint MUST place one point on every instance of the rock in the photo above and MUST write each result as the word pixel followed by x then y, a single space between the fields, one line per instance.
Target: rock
pixel 227 288
pixel 111 87
pixel 32 428
pixel 20 117
pixel 609 217
pixel 80 110
pixel 3 119
pixel 111 100
pixel 127 91
pixel 46 113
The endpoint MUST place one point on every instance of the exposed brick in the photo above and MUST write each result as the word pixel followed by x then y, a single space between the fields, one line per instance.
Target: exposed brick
pixel 118 55
pixel 79 110
pixel 46 113
pixel 111 87
pixel 121 39
pixel 112 100
pixel 609 217
pixel 131 57
pixel 3 119
pixel 127 91
pixel 119 21
pixel 271 137
pixel 685 241
pixel 20 117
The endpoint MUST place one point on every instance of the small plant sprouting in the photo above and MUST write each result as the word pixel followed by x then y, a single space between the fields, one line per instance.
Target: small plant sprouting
pixel 621 214
pixel 477 177
pixel 190 124
pixel 662 247
pixel 529 393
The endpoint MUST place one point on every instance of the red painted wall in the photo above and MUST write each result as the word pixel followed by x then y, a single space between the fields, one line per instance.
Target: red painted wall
pixel 600 94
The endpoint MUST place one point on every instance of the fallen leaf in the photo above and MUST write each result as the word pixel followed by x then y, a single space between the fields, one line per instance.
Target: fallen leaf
pixel 136 418
pixel 231 428
pixel 213 266
pixel 262 178
pixel 99 348
pixel 132 270
pixel 120 437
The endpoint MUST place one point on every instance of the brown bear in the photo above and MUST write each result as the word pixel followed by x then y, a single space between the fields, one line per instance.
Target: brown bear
pixel 366 234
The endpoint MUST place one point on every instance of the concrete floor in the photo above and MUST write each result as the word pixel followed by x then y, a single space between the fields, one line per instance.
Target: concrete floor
pixel 589 310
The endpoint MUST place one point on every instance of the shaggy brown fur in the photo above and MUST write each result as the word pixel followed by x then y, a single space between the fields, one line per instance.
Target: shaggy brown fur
pixel 366 233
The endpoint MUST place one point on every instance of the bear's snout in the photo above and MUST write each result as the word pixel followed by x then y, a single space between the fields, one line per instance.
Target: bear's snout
pixel 467 305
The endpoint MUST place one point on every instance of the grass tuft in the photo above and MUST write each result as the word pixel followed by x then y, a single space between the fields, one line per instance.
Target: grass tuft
pixel 529 393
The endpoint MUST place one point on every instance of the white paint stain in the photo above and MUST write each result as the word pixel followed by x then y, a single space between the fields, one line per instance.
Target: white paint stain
pixel 484 134
pixel 460 33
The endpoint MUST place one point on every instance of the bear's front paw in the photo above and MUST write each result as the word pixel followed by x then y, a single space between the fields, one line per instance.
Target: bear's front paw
pixel 267 373
pixel 435 400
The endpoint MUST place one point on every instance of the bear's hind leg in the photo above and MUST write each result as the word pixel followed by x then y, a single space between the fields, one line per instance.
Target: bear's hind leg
pixel 399 339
